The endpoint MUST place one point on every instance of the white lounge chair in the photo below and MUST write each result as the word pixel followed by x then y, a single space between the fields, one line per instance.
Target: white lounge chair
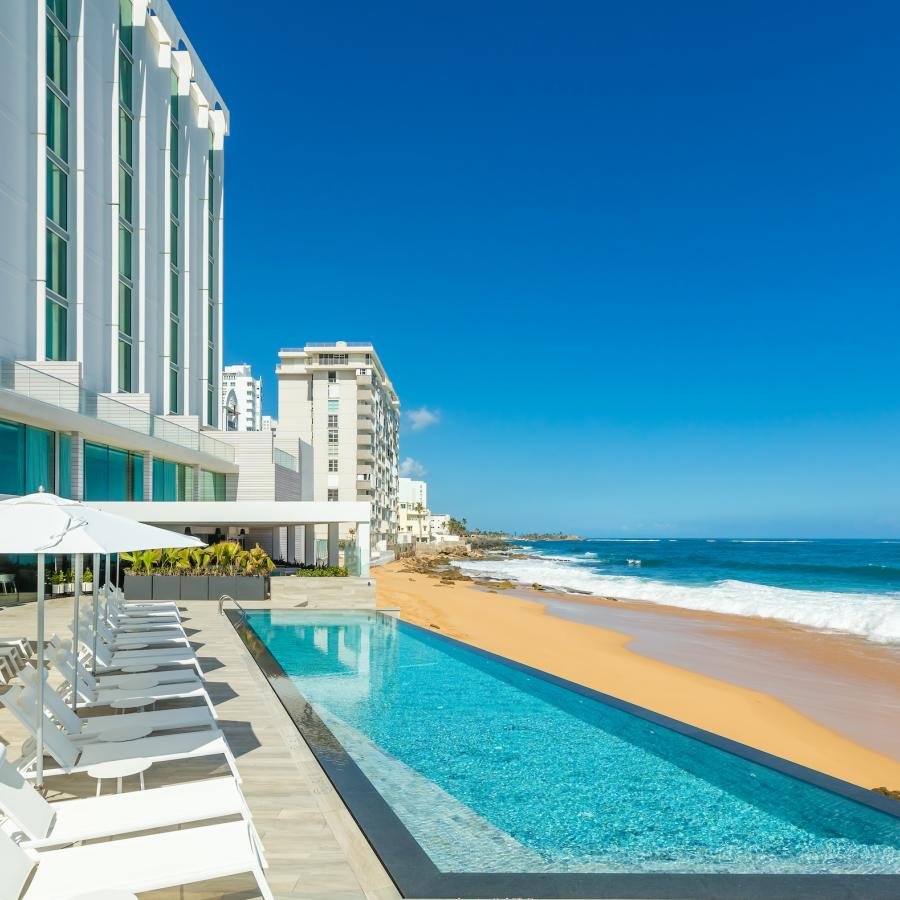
pixel 92 728
pixel 20 645
pixel 72 757
pixel 136 864
pixel 121 640
pixel 113 660
pixel 54 824
pixel 118 596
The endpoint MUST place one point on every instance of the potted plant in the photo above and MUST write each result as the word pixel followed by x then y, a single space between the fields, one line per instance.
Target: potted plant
pixel 57 583
pixel 138 583
pixel 87 581
pixel 70 581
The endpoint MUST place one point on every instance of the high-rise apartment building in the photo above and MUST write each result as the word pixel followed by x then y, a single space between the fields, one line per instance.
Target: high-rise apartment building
pixel 241 399
pixel 338 409
pixel 413 513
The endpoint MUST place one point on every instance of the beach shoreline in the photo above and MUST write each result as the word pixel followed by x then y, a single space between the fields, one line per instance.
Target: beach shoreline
pixel 727 674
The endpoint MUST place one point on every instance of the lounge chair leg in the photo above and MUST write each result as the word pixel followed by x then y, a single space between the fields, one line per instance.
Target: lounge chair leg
pixel 262 884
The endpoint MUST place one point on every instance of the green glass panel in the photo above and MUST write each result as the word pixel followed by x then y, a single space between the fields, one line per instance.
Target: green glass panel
pixel 211 406
pixel 57 195
pixel 39 460
pixel 210 275
pixel 210 359
pixel 173 144
pixel 57 126
pixel 136 486
pixel 64 486
pixel 96 465
pixel 124 252
pixel 124 366
pixel 211 191
pixel 173 242
pixel 125 80
pixel 118 475
pixel 210 235
pixel 174 296
pixel 125 137
pixel 125 23
pixel 12 458
pixel 125 308
pixel 173 340
pixel 173 94
pixel 57 263
pixel 57 331
pixel 173 191
pixel 57 57
pixel 184 483
pixel 210 323
pixel 60 9
pixel 125 195
pixel 211 154
pixel 158 479
pixel 173 391
pixel 170 481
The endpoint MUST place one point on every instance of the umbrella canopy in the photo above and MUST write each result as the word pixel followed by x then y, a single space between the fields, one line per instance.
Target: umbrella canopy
pixel 45 523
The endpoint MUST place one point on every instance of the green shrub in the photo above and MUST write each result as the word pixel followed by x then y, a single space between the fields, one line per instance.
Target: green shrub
pixel 323 572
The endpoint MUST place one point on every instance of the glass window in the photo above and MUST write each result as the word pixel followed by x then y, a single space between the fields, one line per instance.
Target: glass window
pixel 112 474
pixel 332 420
pixel 173 191
pixel 173 340
pixel 210 322
pixel 210 362
pixel 64 481
pixel 184 482
pixel 173 144
pixel 332 465
pixel 173 93
pixel 136 476
pixel 57 195
pixel 57 254
pixel 332 377
pixel 125 69
pixel 124 251
pixel 210 236
pixel 173 242
pixel 333 406
pixel 60 9
pixel 125 139
pixel 124 308
pixel 332 436
pixel 211 154
pixel 57 57
pixel 174 298
pixel 211 406
pixel 57 343
pixel 12 458
pixel 210 282
pixel 57 126
pixel 125 195
pixel 95 460
pixel 124 366
pixel 125 23
pixel 40 465
pixel 332 494
pixel 173 391
pixel 117 475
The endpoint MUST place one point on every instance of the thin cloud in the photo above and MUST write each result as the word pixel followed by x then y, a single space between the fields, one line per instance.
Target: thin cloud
pixel 411 468
pixel 422 418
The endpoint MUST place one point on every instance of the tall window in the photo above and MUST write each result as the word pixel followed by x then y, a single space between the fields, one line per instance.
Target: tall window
pixel 112 474
pixel 57 264
pixel 174 248
pixel 172 481
pixel 27 457
pixel 211 367
pixel 126 198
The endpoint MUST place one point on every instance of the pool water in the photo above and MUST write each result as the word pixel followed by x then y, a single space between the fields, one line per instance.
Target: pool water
pixel 493 769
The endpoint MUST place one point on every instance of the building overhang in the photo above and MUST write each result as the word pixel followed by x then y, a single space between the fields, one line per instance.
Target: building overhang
pixel 240 513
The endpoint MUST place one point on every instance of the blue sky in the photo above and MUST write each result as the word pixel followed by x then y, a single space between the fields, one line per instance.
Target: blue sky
pixel 640 261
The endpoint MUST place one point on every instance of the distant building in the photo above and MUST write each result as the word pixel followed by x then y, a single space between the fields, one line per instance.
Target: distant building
pixel 413 519
pixel 241 399
pixel 270 424
pixel 337 405
pixel 439 529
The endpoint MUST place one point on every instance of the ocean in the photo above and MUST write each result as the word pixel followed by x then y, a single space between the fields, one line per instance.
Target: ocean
pixel 850 586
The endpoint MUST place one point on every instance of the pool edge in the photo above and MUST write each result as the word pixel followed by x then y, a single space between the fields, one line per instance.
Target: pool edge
pixel 416 876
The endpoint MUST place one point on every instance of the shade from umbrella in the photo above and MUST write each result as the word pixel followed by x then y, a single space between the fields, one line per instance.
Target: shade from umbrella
pixel 45 523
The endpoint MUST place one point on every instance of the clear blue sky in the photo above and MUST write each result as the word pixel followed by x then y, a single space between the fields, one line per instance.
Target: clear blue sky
pixel 641 260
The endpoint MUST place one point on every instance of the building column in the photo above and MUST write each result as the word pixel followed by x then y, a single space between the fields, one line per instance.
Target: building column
pixel 291 550
pixel 333 547
pixel 309 545
pixel 277 552
pixel 363 549
pixel 148 475
pixel 197 476
pixel 77 466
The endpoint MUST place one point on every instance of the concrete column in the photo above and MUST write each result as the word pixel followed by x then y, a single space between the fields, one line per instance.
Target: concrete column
pixel 363 548
pixel 291 550
pixel 196 495
pixel 277 552
pixel 309 545
pixel 333 543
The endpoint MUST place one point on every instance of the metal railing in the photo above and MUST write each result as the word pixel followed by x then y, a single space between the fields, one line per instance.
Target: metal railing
pixel 224 598
pixel 26 381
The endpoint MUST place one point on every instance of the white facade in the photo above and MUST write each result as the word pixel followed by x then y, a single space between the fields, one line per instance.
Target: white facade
pixel 269 424
pixel 241 399
pixel 338 410
pixel 413 513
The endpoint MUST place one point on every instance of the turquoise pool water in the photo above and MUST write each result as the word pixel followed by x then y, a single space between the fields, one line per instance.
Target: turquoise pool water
pixel 492 769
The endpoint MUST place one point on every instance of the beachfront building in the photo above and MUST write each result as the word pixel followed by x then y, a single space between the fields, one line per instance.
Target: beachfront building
pixel 111 275
pixel 439 529
pixel 267 423
pixel 413 513
pixel 241 399
pixel 338 410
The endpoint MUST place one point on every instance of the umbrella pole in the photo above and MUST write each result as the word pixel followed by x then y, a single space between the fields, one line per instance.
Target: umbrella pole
pixel 79 565
pixel 39 733
pixel 95 585
pixel 106 608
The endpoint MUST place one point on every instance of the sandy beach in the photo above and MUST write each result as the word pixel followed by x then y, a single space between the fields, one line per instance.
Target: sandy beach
pixel 825 701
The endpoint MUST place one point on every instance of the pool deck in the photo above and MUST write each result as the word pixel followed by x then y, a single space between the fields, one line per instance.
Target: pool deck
pixel 313 846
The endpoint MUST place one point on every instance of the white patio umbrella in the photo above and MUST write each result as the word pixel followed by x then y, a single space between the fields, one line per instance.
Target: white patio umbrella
pixel 44 523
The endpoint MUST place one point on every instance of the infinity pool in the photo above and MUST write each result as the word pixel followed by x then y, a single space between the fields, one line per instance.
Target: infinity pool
pixel 493 769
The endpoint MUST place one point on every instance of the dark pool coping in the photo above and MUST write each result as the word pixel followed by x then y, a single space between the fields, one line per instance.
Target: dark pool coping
pixel 415 875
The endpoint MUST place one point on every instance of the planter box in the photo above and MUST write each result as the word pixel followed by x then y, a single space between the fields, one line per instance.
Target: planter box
pixel 238 587
pixel 138 588
pixel 57 590
pixel 195 588
pixel 166 587
pixel 87 587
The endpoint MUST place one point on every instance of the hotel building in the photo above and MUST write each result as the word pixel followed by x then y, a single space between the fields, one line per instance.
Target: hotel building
pixel 111 279
pixel 338 410
pixel 241 399
pixel 413 512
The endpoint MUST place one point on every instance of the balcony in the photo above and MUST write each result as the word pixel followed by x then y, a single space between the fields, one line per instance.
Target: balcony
pixel 364 440
pixel 364 455
pixel 363 393
pixel 16 378
pixel 365 424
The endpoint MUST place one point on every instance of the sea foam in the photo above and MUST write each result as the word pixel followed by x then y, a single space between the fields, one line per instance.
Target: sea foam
pixel 872 616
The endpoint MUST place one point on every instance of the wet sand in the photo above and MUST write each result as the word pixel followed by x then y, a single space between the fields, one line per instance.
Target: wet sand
pixel 831 702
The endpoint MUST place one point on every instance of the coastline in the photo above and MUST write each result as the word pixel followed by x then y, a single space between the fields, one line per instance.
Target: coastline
pixel 529 626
